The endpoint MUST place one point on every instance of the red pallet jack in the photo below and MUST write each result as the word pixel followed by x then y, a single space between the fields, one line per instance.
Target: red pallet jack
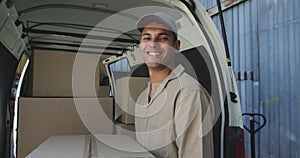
pixel 252 129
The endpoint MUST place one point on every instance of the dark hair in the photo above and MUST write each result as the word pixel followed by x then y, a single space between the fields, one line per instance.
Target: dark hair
pixel 175 37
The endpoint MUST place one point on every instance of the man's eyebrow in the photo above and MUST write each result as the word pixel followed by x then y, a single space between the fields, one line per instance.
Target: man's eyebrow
pixel 146 34
pixel 162 33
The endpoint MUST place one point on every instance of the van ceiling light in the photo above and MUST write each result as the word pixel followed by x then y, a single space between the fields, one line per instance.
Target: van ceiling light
pixel 99 5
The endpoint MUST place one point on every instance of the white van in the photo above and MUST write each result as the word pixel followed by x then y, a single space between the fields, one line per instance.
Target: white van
pixel 72 56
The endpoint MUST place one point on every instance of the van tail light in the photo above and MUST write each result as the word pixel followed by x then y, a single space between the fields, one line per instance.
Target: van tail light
pixel 240 152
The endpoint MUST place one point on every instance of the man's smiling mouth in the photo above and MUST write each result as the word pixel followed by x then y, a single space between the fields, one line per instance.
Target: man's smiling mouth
pixel 153 53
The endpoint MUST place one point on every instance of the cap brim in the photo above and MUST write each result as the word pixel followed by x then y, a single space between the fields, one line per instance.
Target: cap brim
pixel 147 19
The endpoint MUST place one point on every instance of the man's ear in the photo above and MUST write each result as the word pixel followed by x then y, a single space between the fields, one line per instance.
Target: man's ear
pixel 177 45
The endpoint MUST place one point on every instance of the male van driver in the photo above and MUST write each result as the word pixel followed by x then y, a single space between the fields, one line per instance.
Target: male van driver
pixel 169 113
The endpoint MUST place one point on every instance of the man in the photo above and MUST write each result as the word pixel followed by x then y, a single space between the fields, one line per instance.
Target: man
pixel 169 113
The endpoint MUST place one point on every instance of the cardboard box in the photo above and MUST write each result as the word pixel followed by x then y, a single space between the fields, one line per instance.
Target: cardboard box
pixel 73 146
pixel 90 146
pixel 40 118
pixel 104 91
pixel 125 129
pixel 127 91
pixel 108 146
pixel 55 73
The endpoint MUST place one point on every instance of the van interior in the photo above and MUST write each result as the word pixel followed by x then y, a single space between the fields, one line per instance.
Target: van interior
pixel 65 67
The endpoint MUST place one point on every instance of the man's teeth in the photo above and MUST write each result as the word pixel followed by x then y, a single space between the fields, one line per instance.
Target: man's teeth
pixel 153 53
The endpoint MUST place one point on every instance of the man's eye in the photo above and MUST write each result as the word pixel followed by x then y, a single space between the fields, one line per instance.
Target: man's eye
pixel 146 38
pixel 163 39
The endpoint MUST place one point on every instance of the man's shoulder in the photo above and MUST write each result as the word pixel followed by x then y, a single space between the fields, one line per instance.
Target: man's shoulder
pixel 188 83
pixel 184 78
pixel 187 80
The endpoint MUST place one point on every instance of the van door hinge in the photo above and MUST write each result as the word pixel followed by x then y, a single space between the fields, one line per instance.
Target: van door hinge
pixel 233 97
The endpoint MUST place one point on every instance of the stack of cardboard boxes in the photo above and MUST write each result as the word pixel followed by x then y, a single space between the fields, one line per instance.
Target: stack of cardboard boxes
pixel 52 108
pixel 65 103
pixel 127 91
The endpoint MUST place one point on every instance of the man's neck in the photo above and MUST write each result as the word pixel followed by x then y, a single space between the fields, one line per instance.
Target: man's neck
pixel 156 78
pixel 158 75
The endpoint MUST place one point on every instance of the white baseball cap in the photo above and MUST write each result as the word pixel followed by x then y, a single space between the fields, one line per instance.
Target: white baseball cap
pixel 159 17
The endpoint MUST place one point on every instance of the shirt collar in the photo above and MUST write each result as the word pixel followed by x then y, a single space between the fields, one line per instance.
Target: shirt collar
pixel 173 75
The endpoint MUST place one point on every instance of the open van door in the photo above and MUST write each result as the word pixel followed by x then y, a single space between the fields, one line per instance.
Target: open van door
pixel 12 46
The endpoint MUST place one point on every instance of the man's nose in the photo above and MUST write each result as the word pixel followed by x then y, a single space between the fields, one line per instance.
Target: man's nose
pixel 153 43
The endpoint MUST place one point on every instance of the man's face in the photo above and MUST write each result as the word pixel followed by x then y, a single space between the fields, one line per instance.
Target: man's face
pixel 158 46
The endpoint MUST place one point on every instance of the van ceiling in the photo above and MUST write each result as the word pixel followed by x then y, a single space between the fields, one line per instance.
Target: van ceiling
pixel 63 24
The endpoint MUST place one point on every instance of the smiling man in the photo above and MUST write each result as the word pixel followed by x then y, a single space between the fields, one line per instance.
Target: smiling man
pixel 158 46
pixel 169 113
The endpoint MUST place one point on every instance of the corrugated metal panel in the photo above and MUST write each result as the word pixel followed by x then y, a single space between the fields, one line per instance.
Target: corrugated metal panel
pixel 279 60
pixel 264 38
pixel 208 3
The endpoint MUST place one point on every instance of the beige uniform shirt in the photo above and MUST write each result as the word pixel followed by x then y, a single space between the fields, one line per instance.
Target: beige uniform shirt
pixel 171 123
